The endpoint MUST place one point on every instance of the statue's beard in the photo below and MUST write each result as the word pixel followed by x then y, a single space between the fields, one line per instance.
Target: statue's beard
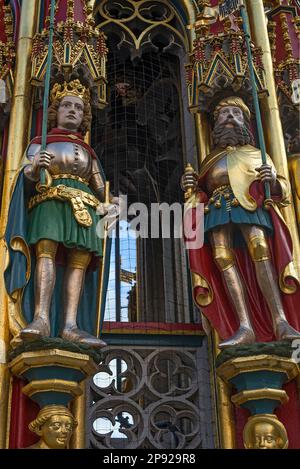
pixel 236 135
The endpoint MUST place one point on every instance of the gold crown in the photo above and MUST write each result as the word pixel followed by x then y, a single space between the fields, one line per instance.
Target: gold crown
pixel 73 88
pixel 232 101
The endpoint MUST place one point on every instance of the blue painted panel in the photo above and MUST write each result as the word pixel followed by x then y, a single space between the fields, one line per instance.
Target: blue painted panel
pixel 48 398
pixel 153 339
pixel 261 406
pixel 54 372
pixel 258 379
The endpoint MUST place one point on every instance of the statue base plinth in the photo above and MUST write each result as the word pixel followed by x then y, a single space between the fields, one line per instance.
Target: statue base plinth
pixel 53 369
pixel 257 376
pixel 257 373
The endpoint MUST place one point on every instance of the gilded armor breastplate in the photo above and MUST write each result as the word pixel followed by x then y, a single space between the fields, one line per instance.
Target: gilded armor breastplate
pixel 69 158
pixel 217 176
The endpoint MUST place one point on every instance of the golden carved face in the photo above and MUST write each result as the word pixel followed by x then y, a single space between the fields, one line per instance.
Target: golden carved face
pixel 265 431
pixel 266 436
pixel 56 431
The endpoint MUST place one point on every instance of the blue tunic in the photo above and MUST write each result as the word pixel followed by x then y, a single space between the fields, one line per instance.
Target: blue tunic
pixel 228 213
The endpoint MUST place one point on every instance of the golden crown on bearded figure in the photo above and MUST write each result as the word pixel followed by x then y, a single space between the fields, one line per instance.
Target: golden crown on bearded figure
pixel 72 88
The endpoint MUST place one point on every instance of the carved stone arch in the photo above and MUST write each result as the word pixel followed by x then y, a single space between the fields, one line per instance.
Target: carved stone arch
pixel 143 25
pixel 186 9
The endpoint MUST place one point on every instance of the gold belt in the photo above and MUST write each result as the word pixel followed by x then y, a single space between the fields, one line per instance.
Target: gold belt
pixel 226 192
pixel 70 176
pixel 76 197
pixel 219 190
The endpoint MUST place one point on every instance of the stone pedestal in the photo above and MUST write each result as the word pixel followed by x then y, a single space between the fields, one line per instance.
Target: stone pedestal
pixel 257 381
pixel 53 369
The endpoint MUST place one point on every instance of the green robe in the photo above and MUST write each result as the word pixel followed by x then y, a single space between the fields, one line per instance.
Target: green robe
pixel 54 219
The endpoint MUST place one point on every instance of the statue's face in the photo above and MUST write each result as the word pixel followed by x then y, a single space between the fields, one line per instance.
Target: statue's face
pixel 57 431
pixel 231 116
pixel 266 436
pixel 70 113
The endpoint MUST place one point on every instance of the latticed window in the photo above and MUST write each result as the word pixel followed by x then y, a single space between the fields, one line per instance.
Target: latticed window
pixel 154 378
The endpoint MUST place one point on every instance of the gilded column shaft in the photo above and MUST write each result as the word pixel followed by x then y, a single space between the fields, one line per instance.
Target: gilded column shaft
pixel 271 115
pixel 79 406
pixel 21 103
pixel 17 141
pixel 226 422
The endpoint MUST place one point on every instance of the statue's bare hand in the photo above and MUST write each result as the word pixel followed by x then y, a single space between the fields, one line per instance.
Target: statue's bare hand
pixel 189 181
pixel 267 174
pixel 45 159
pixel 112 208
pixel 41 160
pixel 115 201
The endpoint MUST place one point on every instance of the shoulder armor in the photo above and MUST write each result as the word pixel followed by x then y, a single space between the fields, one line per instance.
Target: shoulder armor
pixel 32 150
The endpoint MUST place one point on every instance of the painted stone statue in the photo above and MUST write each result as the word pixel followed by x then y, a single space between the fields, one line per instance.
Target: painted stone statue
pixel 52 227
pixel 242 275
pixel 54 425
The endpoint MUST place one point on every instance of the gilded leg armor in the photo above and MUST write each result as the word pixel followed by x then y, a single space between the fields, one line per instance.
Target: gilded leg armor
pixel 267 281
pixel 78 261
pixel 45 274
pixel 221 241
pixel 224 257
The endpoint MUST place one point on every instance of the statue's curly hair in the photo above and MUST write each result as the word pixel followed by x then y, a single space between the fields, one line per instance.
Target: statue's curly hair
pixel 47 412
pixel 85 124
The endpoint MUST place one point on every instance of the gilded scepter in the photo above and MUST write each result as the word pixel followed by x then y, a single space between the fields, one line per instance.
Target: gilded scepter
pixel 103 279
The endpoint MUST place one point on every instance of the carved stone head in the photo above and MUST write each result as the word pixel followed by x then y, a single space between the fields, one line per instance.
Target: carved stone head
pixel 265 431
pixel 232 123
pixel 54 425
pixel 70 108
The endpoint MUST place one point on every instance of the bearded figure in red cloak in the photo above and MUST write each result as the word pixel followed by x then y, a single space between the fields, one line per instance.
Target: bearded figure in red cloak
pixel 243 277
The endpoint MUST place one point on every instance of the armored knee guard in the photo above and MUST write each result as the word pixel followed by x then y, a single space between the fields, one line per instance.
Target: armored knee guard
pixel 259 249
pixel 224 257
pixel 78 259
pixel 46 248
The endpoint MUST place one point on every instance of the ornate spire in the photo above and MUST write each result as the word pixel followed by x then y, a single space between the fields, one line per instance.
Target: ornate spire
pixel 7 46
pixel 79 49
pixel 219 58
pixel 284 34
